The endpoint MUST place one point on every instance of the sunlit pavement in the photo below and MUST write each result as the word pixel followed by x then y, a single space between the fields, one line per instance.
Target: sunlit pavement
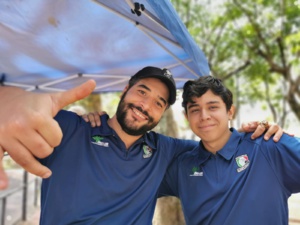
pixel 294 208
pixel 33 219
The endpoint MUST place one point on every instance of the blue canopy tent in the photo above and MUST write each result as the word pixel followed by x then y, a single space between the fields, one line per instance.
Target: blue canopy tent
pixel 53 45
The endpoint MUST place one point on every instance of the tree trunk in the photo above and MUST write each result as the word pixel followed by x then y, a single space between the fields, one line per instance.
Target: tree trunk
pixel 168 209
pixel 168 212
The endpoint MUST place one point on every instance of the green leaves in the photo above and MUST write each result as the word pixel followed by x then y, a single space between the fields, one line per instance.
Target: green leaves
pixel 255 41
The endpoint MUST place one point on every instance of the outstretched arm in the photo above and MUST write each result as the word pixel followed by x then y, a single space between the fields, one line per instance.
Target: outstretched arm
pixel 27 127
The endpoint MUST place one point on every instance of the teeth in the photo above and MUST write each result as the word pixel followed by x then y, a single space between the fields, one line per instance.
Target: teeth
pixel 138 113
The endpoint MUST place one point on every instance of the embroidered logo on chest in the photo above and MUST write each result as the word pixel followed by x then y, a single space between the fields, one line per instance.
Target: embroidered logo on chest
pixel 242 162
pixel 98 141
pixel 147 151
pixel 196 172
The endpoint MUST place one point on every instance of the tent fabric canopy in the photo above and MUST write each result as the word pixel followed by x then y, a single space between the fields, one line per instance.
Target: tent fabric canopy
pixel 53 45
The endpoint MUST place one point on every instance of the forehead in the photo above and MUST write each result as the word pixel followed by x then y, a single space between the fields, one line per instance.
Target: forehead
pixel 207 98
pixel 155 85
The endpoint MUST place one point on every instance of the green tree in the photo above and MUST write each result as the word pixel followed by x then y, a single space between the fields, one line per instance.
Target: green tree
pixel 254 42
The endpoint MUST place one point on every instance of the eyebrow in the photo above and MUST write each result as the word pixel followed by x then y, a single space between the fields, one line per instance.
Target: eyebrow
pixel 147 88
pixel 193 104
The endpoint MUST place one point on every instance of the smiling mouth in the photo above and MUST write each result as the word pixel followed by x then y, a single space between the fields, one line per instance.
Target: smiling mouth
pixel 139 113
pixel 207 126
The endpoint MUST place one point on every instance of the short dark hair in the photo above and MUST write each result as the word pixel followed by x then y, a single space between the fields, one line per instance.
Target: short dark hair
pixel 198 87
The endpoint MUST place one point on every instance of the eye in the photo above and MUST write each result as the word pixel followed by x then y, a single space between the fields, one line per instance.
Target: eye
pixel 213 107
pixel 142 92
pixel 193 110
pixel 158 104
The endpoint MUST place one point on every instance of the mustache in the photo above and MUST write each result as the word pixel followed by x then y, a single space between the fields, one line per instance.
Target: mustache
pixel 130 105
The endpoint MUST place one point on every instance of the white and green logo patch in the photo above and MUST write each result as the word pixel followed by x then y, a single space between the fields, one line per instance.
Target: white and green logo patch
pixel 147 151
pixel 196 172
pixel 242 162
pixel 98 141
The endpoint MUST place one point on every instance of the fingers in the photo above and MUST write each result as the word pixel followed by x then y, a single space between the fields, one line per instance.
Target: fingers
pixel 288 133
pixel 269 130
pixel 37 145
pixel 65 98
pixel 274 129
pixel 260 129
pixel 90 118
pixel 93 118
pixel 97 118
pixel 42 134
pixel 25 159
pixel 3 176
pixel 248 127
pixel 85 117
pixel 27 128
pixel 50 136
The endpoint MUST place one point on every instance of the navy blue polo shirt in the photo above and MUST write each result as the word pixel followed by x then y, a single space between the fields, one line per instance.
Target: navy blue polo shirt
pixel 247 182
pixel 95 180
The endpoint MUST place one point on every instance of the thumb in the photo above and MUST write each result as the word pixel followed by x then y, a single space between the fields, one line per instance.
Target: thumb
pixel 62 99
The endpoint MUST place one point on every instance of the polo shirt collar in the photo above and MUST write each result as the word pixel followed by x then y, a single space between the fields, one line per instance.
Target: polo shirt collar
pixel 231 146
pixel 226 152
pixel 148 139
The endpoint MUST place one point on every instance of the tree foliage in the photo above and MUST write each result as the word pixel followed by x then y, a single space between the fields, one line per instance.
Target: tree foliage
pixel 254 41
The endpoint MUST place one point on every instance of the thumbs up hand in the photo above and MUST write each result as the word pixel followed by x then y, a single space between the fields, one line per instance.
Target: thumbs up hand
pixel 27 127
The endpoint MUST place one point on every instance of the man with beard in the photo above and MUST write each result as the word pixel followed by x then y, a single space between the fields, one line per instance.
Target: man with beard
pixel 111 174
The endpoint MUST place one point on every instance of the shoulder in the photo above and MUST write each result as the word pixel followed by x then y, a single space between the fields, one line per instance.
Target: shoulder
pixel 246 137
pixel 163 139
pixel 172 147
pixel 285 144
pixel 70 121
pixel 65 115
pixel 285 139
pixel 192 154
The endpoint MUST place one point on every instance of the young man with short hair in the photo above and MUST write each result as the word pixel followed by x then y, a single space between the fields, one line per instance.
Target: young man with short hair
pixel 229 178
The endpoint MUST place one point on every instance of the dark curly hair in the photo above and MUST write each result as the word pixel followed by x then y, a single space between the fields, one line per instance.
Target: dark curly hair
pixel 198 87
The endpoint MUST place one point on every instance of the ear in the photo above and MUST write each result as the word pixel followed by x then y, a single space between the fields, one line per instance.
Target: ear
pixel 231 112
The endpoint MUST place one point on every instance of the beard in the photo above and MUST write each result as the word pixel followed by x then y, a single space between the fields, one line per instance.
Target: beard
pixel 127 125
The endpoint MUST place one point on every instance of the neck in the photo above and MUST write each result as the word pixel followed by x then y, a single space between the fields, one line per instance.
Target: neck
pixel 126 138
pixel 214 146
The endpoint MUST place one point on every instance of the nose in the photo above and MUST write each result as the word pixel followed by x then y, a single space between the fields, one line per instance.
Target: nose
pixel 146 103
pixel 204 114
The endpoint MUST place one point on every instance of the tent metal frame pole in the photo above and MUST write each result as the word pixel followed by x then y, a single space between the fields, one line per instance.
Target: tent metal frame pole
pixel 174 56
pixel 59 81
pixel 148 14
pixel 140 24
